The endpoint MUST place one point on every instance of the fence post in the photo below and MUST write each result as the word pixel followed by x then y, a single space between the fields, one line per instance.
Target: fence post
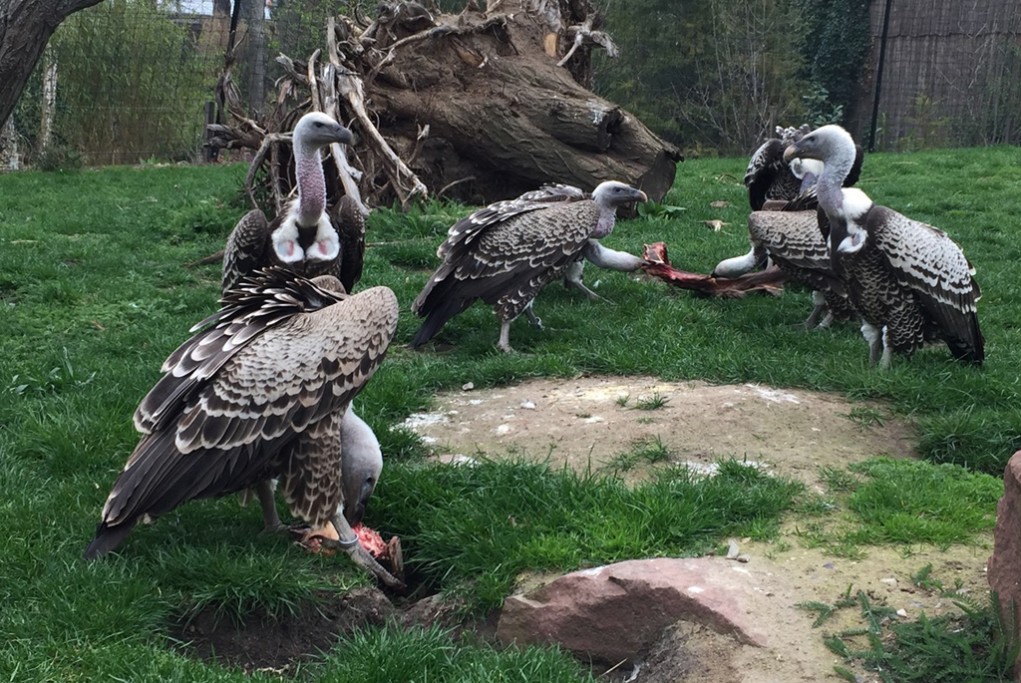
pixel 879 77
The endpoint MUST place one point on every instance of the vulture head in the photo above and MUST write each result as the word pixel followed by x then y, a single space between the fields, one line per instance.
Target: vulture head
pixel 316 129
pixel 307 215
pixel 613 193
pixel 828 144
pixel 608 196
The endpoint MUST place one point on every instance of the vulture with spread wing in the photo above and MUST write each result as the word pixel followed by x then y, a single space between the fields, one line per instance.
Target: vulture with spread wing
pixel 507 252
pixel 909 281
pixel 261 392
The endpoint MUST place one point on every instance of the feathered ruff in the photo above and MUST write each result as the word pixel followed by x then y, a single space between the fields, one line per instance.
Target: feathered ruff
pixel 257 395
pixel 250 247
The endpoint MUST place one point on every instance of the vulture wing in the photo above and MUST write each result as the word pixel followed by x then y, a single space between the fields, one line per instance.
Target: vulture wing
pixel 764 168
pixel 350 226
pixel 239 397
pixel 927 261
pixel 246 248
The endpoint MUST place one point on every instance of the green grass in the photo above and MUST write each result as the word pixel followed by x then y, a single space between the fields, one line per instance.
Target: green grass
pixel 95 293
pixel 976 645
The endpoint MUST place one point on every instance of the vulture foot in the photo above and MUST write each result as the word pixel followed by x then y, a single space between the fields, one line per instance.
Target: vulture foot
pixel 363 545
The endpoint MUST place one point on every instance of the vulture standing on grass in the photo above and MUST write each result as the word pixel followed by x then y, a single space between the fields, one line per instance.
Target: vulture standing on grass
pixel 309 239
pixel 507 252
pixel 259 393
pixel 305 238
pixel 909 281
pixel 787 229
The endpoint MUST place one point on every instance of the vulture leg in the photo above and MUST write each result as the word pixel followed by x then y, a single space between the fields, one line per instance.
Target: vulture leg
pixel 573 279
pixel 818 308
pixel 348 542
pixel 504 343
pixel 874 336
pixel 887 357
pixel 533 320
pixel 270 518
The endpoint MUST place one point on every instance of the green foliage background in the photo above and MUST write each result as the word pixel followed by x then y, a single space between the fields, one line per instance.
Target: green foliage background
pixel 718 75
pixel 139 77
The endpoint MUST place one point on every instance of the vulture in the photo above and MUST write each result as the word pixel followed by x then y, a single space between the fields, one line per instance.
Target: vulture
pixel 307 237
pixel 507 252
pixel 787 229
pixel 909 281
pixel 770 178
pixel 261 391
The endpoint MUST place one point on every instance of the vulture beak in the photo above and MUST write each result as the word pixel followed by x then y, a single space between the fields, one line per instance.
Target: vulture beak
pixel 640 196
pixel 343 135
pixel 790 153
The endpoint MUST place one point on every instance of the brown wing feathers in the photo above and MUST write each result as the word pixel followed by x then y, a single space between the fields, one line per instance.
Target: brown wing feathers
pixel 510 247
pixel 236 398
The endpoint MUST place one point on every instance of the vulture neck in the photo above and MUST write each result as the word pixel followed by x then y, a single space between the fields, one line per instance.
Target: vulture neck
pixel 308 171
pixel 836 167
pixel 607 219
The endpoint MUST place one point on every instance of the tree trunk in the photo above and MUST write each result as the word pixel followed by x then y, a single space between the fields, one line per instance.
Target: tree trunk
pixel 10 159
pixel 25 29
pixel 476 106
pixel 48 110
pixel 255 48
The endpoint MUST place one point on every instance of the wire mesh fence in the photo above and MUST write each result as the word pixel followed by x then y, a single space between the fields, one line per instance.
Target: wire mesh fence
pixel 129 81
pixel 950 74
pixel 134 80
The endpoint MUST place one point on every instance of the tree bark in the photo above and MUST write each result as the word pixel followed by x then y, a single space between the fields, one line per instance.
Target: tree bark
pixel 476 106
pixel 25 29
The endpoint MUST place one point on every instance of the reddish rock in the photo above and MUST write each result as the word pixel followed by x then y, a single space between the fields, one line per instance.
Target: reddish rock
pixel 1004 567
pixel 618 611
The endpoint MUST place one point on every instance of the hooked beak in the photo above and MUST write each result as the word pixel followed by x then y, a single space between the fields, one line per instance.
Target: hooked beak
pixel 343 135
pixel 790 153
pixel 641 196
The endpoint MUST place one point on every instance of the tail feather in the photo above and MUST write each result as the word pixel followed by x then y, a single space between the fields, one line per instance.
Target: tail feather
pixel 969 348
pixel 107 538
pixel 434 322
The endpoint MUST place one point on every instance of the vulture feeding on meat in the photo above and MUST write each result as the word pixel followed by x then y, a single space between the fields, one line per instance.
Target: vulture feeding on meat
pixel 909 281
pixel 260 393
pixel 307 238
pixel 507 252
pixel 786 228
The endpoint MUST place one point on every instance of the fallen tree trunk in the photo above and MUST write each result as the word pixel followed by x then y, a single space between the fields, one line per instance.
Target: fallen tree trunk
pixel 477 106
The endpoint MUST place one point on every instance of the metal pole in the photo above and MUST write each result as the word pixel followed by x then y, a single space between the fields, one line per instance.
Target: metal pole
pixel 879 77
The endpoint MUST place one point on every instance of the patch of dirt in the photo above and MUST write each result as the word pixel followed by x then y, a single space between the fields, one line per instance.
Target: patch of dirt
pixel 586 423
pixel 278 645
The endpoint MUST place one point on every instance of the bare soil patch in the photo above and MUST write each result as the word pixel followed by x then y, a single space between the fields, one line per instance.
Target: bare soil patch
pixel 585 423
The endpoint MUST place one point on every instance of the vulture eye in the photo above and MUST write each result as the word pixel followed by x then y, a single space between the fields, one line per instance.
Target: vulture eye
pixel 319 124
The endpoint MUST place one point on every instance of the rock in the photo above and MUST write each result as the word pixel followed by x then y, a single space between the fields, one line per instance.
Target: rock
pixel 619 611
pixel 1004 566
